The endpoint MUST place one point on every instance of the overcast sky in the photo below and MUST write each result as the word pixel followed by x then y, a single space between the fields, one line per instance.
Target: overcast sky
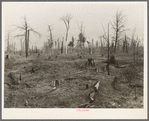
pixel 92 14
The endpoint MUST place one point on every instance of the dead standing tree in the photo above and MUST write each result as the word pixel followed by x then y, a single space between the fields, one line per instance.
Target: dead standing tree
pixel 62 46
pixel 135 45
pixel 106 37
pixel 8 44
pixel 66 19
pixel 27 30
pixel 81 35
pixel 71 44
pixel 118 26
pixel 50 42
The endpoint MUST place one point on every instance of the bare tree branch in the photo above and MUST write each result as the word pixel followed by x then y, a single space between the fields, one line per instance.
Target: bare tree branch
pixel 21 35
pixel 104 36
pixel 118 26
pixel 19 27
pixel 35 32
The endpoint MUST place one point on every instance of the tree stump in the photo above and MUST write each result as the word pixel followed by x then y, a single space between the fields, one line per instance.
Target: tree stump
pixel 49 57
pixel 90 62
pixel 114 82
pixel 87 86
pixel 38 54
pixel 7 57
pixel 56 83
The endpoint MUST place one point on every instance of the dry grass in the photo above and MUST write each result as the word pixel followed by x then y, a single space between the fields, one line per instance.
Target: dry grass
pixel 73 79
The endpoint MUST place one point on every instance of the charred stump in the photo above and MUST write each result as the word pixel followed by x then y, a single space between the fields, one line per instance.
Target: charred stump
pixel 87 86
pixel 7 57
pixel 38 54
pixel 49 57
pixel 114 82
pixel 90 62
pixel 56 83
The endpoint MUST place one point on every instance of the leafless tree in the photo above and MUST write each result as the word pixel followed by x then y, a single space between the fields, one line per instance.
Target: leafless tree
pixel 137 44
pixel 132 39
pixel 50 42
pixel 101 43
pixel 106 37
pixel 118 26
pixel 58 44
pixel 27 30
pixel 66 19
pixel 81 27
pixel 97 43
pixel 14 47
pixel 8 43
pixel 21 46
pixel 62 46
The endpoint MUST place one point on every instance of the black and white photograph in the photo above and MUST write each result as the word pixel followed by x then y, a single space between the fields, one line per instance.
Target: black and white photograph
pixel 74 57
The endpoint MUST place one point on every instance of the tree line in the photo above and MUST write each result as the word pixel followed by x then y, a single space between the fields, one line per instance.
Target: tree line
pixel 119 37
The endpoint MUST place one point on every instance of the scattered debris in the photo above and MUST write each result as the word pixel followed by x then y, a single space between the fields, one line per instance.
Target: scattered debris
pixel 49 57
pixel 11 86
pixel 27 85
pixel 135 85
pixel 26 103
pixel 38 54
pixel 32 70
pixel 79 72
pixel 97 86
pixel 85 105
pixel 97 70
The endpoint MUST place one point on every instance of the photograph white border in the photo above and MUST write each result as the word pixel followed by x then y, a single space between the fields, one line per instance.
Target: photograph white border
pixel 65 113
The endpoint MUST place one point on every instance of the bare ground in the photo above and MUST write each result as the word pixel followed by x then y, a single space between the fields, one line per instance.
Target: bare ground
pixel 36 88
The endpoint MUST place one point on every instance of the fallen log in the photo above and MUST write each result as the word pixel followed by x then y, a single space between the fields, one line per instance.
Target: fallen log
pixel 92 95
pixel 137 85
pixel 27 85
pixel 11 86
pixel 84 105
pixel 79 72
pixel 122 66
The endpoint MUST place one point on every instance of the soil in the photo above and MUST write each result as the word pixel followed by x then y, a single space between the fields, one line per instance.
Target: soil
pixel 36 89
